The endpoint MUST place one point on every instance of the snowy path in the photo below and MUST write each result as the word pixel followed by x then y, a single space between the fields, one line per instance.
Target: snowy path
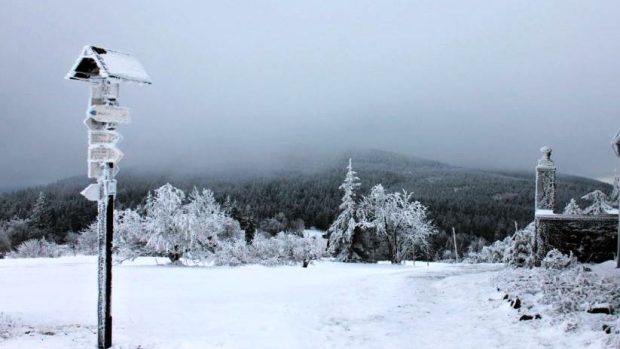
pixel 329 305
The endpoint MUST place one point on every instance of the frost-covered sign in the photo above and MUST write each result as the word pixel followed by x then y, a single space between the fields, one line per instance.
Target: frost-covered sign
pixel 104 137
pixel 109 113
pixel 93 192
pixel 95 170
pixel 104 153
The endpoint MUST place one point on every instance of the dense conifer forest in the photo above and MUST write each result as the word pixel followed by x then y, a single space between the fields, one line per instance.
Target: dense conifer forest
pixel 478 203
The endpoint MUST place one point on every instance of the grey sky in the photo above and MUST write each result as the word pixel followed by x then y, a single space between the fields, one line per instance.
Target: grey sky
pixel 473 83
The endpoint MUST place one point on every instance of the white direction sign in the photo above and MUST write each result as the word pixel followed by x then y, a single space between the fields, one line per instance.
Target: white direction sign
pixel 104 137
pixel 92 192
pixel 109 113
pixel 93 125
pixel 104 153
pixel 95 170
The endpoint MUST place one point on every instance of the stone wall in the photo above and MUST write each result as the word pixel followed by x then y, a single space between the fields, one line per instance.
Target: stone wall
pixel 590 238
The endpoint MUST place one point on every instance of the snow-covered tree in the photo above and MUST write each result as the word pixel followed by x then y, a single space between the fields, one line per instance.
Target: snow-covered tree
pixel 397 219
pixel 174 227
pixel 572 208
pixel 164 211
pixel 342 229
pixel 130 236
pixel 599 203
pixel 207 222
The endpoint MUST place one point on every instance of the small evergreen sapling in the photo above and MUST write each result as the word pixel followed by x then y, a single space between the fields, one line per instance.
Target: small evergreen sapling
pixel 572 208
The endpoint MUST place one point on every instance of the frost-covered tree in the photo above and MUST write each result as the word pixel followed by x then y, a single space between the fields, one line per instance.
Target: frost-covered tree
pixel 397 219
pixel 174 227
pixel 572 208
pixel 207 222
pixel 164 210
pixel 599 203
pixel 342 229
pixel 130 237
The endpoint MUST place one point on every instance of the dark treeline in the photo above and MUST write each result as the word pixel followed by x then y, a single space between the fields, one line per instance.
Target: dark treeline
pixel 479 204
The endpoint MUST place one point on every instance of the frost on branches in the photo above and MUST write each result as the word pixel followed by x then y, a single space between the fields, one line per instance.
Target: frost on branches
pixel 521 250
pixel 197 229
pixel 572 208
pixel 174 227
pixel 397 219
pixel 342 230
pixel 599 203
pixel 566 292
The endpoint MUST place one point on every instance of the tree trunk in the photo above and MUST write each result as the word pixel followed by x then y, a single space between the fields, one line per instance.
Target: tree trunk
pixel 175 255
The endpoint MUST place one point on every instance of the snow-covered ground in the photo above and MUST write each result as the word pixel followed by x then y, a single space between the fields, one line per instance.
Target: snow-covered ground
pixel 51 303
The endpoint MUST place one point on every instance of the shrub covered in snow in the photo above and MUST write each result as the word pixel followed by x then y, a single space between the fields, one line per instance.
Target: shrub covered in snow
pixel 566 293
pixel 561 286
pixel 493 253
pixel 35 248
pixel 87 241
pixel 520 251
pixel 284 248
pixel 516 250
pixel 557 260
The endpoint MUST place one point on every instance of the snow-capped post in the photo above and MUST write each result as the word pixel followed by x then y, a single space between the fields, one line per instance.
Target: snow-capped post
pixel 105 70
pixel 615 144
pixel 544 200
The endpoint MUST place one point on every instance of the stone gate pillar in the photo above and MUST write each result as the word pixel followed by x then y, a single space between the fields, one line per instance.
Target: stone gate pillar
pixel 544 202
pixel 545 182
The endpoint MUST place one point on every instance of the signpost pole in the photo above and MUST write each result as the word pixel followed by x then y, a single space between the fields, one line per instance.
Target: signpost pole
pixel 107 284
pixel 107 186
pixel 105 70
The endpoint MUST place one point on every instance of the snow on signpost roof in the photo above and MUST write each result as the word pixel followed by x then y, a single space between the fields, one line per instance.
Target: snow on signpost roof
pixel 98 63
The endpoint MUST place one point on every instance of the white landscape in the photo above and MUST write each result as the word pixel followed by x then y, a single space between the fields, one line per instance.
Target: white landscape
pixel 309 174
pixel 51 303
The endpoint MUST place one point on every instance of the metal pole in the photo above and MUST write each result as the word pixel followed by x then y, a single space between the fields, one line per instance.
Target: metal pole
pixel 105 232
pixel 100 94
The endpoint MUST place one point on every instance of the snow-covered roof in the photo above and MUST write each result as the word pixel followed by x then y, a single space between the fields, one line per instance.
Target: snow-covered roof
pixel 98 63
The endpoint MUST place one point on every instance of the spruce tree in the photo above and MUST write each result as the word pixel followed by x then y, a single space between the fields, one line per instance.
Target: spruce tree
pixel 572 208
pixel 599 203
pixel 42 217
pixel 342 229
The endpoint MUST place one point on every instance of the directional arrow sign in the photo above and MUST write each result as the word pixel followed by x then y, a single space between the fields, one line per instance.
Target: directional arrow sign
pixel 95 170
pixel 104 137
pixel 109 113
pixel 93 125
pixel 104 153
pixel 92 192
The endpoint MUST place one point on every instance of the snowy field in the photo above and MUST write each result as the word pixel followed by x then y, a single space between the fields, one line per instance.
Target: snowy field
pixel 51 303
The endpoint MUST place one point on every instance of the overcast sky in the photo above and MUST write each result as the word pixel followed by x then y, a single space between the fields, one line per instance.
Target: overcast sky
pixel 472 83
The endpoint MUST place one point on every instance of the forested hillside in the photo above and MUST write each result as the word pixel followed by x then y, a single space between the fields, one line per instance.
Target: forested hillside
pixel 477 203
